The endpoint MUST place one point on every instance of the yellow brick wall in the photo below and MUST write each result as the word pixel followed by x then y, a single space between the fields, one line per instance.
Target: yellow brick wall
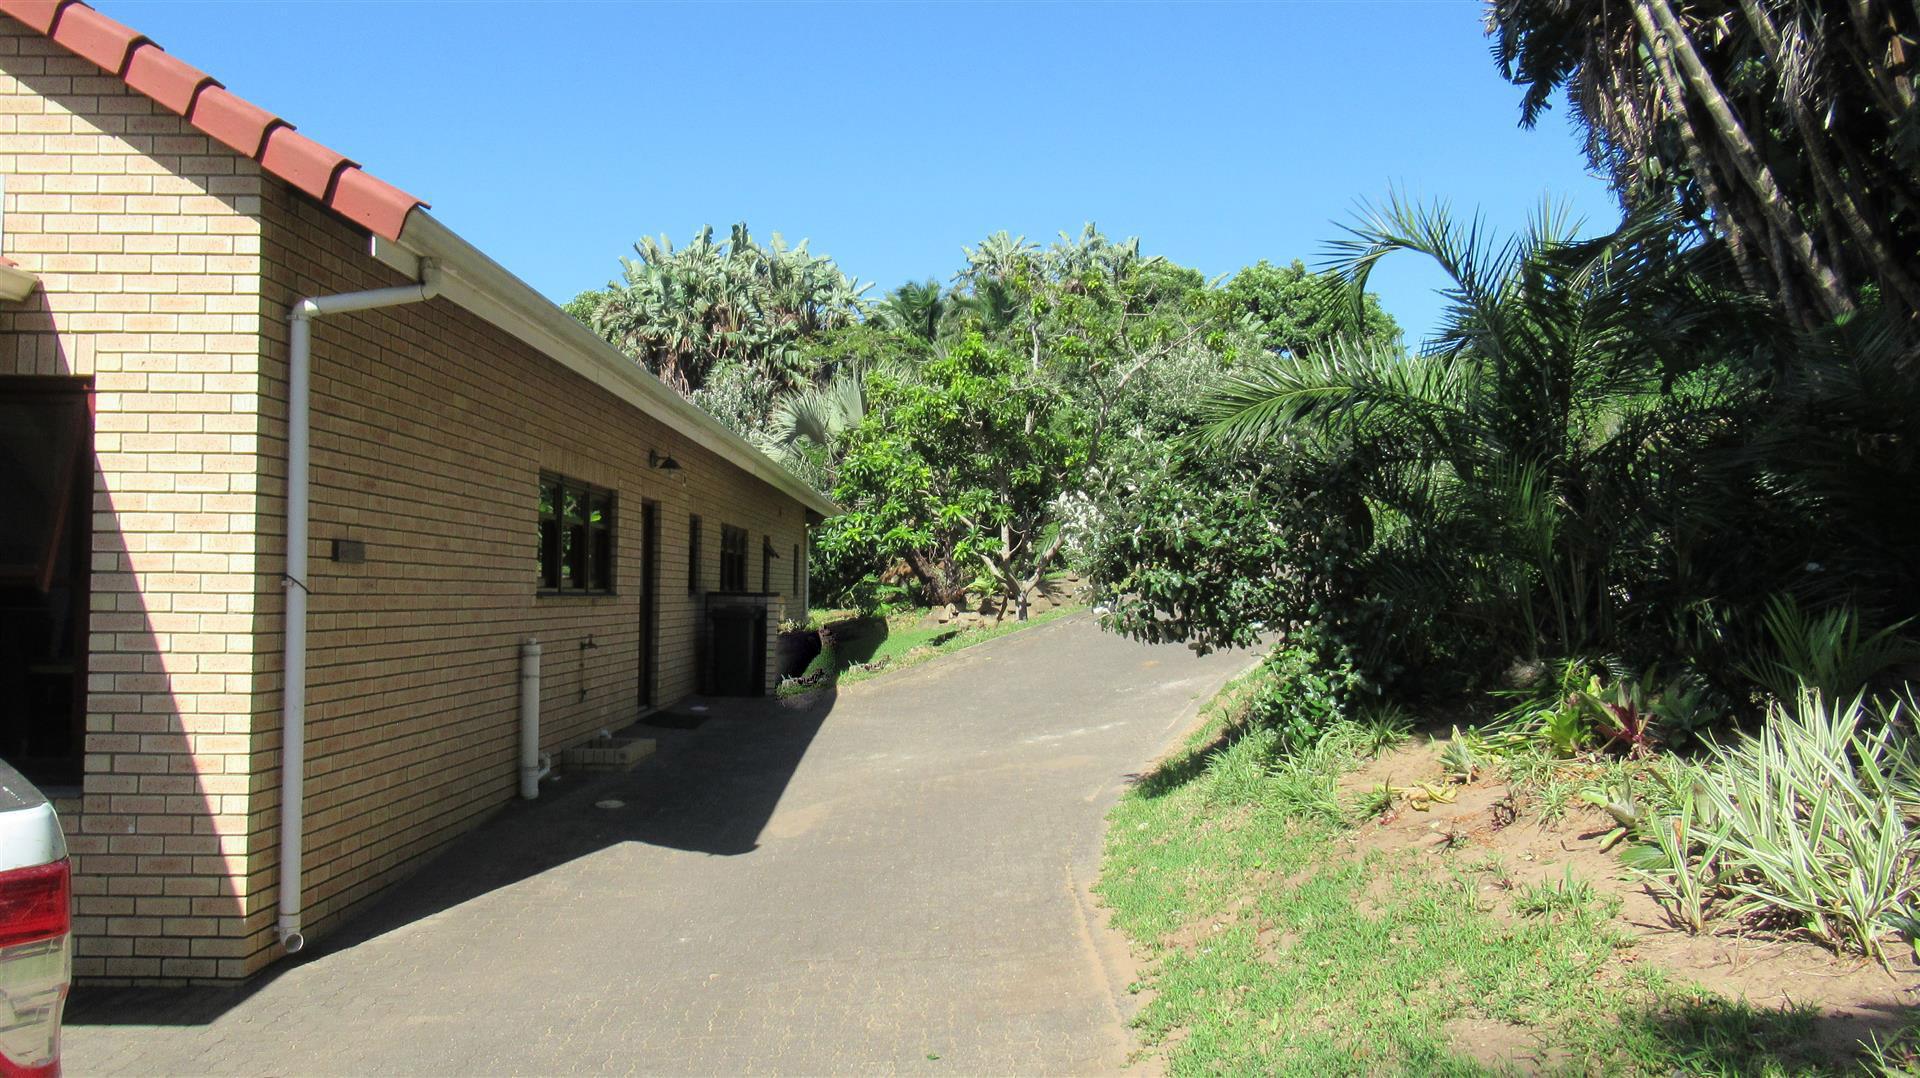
pixel 168 263
pixel 146 237
pixel 430 431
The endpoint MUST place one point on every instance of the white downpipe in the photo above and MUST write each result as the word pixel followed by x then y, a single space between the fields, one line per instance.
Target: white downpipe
pixel 534 764
pixel 293 708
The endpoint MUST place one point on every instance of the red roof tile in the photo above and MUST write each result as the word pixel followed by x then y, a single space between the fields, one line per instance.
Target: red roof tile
pixel 172 82
pixel 38 14
pixel 302 162
pixel 95 36
pixel 341 184
pixel 372 203
pixel 233 120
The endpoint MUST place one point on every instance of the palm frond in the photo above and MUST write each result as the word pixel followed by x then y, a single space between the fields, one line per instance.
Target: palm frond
pixel 1342 391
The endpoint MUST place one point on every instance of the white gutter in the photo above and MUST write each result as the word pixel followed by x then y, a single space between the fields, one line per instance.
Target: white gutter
pixel 293 704
pixel 479 284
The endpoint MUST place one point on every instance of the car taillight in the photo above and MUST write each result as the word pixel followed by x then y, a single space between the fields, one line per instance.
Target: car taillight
pixel 9 1069
pixel 35 903
pixel 36 963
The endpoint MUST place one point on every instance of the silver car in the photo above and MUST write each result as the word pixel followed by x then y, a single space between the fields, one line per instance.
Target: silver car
pixel 36 922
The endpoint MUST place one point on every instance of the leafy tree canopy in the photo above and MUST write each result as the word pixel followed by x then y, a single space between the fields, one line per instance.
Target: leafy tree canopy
pixel 979 433
pixel 1298 311
pixel 952 472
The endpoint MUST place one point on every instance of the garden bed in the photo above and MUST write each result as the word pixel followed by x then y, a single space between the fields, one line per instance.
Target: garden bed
pixel 1298 920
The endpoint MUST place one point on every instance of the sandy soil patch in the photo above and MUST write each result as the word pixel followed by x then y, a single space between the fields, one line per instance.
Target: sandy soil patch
pixel 1855 996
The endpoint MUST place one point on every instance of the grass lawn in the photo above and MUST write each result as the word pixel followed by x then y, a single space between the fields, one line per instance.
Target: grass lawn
pixel 866 647
pixel 1276 947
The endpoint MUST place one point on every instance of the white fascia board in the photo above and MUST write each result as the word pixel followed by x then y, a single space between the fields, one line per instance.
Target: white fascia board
pixel 482 286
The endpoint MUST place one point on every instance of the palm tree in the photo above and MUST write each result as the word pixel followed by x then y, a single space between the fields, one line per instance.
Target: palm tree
pixel 1075 259
pixel 990 290
pixel 685 312
pixel 1510 480
pixel 813 417
pixel 1788 128
pixel 1001 256
pixel 919 309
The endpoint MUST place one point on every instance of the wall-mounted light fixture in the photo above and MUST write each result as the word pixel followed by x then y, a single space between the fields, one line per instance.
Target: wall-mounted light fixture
pixel 661 462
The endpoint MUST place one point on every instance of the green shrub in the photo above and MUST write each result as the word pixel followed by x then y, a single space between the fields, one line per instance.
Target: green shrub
pixel 1314 685
pixel 1829 653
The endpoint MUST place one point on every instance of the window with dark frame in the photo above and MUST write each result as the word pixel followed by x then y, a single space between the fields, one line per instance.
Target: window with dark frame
pixel 733 558
pixel 766 565
pixel 693 555
pixel 795 567
pixel 577 550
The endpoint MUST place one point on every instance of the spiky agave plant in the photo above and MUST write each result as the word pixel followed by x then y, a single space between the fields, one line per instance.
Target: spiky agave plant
pixel 1812 825
pixel 1458 759
pixel 1681 860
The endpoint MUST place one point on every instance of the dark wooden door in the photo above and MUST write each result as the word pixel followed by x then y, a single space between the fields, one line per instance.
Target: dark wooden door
pixel 46 489
pixel 649 601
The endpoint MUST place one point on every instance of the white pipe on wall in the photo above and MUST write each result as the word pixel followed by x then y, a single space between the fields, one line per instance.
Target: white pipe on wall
pixel 533 764
pixel 293 702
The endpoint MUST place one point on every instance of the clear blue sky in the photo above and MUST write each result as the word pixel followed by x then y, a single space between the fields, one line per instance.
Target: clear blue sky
pixel 553 135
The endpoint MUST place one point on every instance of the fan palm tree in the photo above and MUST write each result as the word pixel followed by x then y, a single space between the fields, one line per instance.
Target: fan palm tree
pixel 815 416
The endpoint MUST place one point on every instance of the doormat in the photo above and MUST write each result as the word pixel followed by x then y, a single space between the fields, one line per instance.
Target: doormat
pixel 675 720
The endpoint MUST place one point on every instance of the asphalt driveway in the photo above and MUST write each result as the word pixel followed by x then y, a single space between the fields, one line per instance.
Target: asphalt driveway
pixel 893 879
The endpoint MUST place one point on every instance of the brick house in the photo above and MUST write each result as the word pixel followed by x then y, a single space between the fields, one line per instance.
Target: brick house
pixel 483 470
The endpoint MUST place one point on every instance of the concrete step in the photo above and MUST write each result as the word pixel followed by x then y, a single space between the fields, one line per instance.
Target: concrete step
pixel 606 754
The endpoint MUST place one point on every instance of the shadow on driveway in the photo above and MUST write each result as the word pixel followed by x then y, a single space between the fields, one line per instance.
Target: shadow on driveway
pixel 708 790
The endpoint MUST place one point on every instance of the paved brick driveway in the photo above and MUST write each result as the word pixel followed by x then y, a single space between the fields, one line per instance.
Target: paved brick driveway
pixel 893 880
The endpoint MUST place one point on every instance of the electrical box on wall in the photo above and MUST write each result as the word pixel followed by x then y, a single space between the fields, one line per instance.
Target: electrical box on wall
pixel 349 551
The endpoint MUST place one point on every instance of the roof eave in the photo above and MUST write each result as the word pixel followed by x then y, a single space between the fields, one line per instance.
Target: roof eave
pixel 208 106
pixel 401 228
pixel 475 282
